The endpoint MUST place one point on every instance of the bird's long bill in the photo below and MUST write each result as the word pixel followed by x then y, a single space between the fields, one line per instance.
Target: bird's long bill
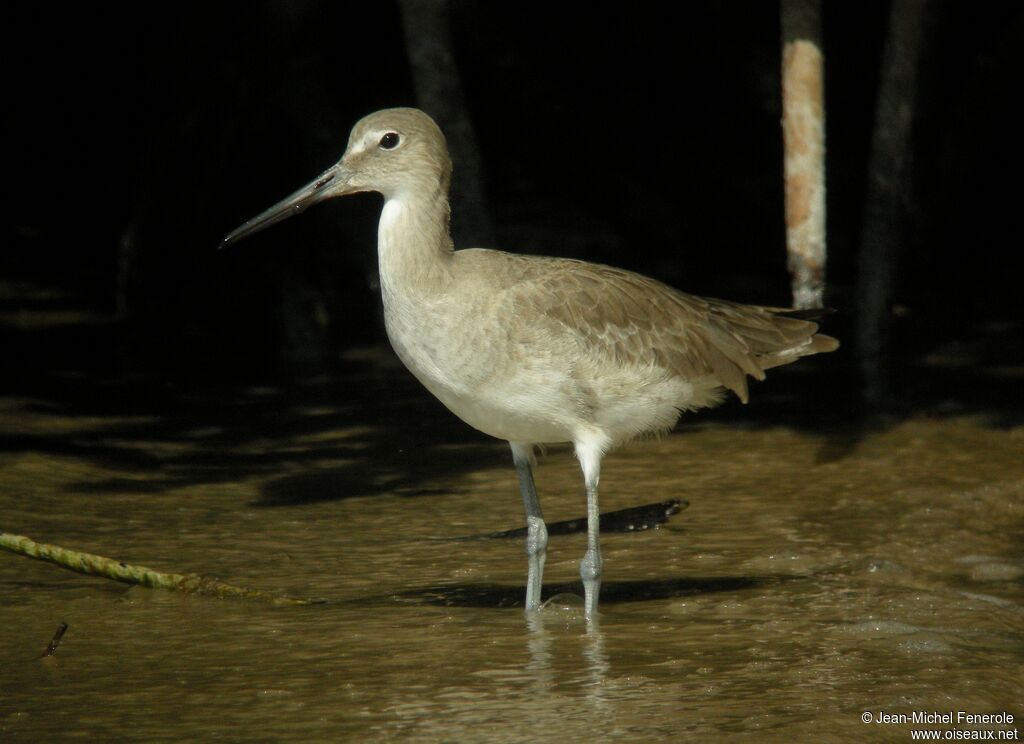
pixel 325 186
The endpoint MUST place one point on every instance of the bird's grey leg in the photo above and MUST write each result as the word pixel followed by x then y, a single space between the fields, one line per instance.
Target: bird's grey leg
pixel 536 530
pixel 589 454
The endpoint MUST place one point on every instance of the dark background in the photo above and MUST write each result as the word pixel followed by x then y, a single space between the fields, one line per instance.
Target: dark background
pixel 646 136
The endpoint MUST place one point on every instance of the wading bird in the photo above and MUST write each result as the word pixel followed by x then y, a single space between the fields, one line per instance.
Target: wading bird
pixel 538 350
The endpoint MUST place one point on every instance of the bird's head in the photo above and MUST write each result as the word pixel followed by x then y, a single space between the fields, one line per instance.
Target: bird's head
pixel 393 152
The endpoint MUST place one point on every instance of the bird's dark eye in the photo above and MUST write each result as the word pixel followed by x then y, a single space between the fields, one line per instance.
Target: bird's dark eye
pixel 389 141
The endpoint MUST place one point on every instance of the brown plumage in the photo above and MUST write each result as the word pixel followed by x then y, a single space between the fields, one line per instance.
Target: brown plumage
pixel 631 317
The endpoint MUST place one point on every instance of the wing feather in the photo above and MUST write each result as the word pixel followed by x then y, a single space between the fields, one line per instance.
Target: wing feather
pixel 631 319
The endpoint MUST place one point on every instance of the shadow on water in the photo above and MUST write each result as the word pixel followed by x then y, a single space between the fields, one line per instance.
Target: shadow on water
pixel 366 431
pixel 612 592
pixel 632 519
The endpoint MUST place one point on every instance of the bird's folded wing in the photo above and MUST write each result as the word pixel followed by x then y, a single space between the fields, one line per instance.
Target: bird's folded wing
pixel 630 319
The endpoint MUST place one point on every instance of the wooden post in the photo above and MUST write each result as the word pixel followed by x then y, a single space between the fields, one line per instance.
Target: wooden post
pixel 803 129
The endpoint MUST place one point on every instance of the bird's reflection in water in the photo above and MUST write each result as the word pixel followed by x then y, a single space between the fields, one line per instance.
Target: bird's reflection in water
pixel 566 611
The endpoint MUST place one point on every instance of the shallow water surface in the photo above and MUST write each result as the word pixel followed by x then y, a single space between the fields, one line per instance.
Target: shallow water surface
pixel 814 577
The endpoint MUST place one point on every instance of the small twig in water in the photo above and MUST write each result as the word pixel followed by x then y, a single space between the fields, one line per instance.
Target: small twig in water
pixel 56 640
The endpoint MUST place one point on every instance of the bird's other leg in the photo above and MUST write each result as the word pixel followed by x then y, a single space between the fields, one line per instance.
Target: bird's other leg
pixel 589 452
pixel 536 530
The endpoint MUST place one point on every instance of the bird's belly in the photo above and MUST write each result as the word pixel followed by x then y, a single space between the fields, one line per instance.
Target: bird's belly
pixel 503 406
pixel 502 412
pixel 487 390
pixel 527 404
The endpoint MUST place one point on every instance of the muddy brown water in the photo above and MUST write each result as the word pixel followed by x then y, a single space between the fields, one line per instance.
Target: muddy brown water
pixel 807 584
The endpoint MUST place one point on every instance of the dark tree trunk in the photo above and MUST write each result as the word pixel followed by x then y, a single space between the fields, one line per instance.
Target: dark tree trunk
pixel 438 85
pixel 885 203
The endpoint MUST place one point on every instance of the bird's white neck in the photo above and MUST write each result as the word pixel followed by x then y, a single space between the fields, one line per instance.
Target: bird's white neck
pixel 414 247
